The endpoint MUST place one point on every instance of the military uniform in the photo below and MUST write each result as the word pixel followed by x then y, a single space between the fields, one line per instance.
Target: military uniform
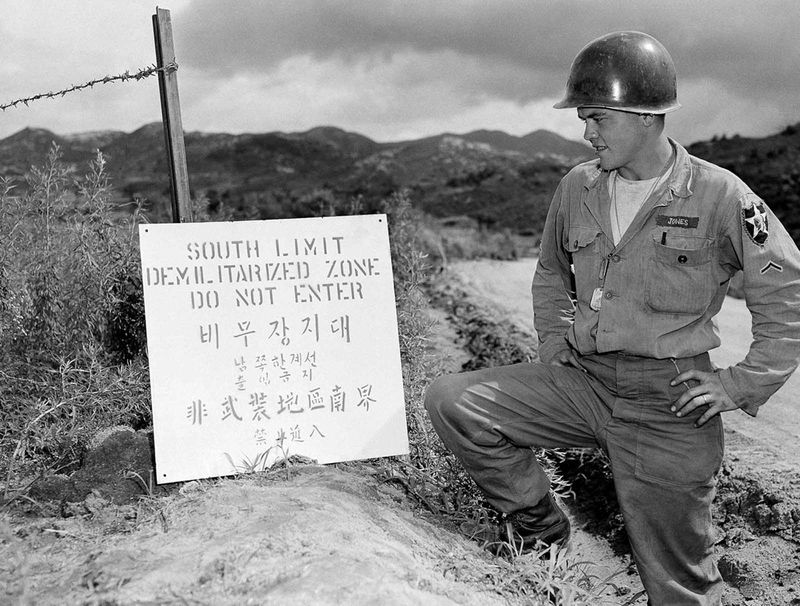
pixel 668 276
pixel 636 314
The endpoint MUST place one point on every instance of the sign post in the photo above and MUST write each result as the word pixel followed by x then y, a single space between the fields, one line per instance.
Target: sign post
pixel 171 116
pixel 268 339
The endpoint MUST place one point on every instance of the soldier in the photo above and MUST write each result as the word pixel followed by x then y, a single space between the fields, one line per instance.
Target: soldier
pixel 637 254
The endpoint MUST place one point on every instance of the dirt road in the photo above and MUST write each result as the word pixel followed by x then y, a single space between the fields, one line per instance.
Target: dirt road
pixel 770 441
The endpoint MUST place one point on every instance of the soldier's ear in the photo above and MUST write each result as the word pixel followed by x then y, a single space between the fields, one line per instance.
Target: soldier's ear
pixel 648 119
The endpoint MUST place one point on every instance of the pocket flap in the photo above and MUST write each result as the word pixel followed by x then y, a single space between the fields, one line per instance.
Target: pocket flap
pixel 685 251
pixel 579 237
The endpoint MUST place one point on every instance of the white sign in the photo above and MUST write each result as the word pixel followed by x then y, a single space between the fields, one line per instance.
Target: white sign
pixel 268 339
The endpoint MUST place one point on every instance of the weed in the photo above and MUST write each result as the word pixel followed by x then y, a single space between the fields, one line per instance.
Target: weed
pixel 68 281
pixel 148 485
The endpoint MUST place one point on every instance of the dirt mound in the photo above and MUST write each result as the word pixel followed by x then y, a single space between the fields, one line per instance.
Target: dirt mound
pixel 298 534
pixel 324 536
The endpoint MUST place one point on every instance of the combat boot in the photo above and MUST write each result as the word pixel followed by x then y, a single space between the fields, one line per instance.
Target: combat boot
pixel 526 530
pixel 537 527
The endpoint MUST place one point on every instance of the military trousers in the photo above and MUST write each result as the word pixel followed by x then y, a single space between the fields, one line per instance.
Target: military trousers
pixel 664 468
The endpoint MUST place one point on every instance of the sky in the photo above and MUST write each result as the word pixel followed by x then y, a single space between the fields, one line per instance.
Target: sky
pixel 389 69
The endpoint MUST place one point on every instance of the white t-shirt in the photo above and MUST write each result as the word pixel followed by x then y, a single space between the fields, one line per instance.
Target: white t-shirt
pixel 627 198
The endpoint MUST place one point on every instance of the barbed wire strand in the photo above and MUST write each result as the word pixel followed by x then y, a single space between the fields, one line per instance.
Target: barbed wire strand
pixel 139 75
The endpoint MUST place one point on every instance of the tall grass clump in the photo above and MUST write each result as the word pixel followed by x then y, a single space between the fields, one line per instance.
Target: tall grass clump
pixel 410 269
pixel 72 321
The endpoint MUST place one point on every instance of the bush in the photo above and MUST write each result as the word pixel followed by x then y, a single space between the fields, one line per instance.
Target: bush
pixel 70 262
pixel 72 324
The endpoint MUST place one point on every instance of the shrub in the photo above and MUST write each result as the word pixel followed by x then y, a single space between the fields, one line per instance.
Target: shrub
pixel 70 261
pixel 72 327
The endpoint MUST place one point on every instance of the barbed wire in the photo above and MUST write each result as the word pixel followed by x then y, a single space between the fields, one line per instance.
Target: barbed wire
pixel 139 75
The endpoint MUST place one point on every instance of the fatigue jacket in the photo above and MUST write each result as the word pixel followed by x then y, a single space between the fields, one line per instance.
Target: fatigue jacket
pixel 659 288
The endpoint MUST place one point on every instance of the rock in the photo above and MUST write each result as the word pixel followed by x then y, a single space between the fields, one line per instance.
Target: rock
pixel 763 515
pixel 735 536
pixel 781 516
pixel 51 487
pixel 119 468
pixel 733 571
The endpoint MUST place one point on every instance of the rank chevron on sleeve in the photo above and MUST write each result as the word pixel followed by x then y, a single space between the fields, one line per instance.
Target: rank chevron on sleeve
pixel 771 265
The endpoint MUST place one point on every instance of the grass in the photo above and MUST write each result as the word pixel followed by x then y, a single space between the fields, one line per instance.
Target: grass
pixel 72 327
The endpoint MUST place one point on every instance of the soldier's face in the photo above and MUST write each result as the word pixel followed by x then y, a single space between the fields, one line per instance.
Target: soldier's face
pixel 618 137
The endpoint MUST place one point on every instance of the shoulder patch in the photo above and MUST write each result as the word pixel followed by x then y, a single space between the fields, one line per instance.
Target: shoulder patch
pixel 754 220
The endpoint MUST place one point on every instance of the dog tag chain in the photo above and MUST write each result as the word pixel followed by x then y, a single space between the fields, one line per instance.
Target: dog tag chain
pixel 597 294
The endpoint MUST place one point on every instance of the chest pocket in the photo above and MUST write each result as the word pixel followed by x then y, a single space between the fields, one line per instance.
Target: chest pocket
pixel 681 279
pixel 583 246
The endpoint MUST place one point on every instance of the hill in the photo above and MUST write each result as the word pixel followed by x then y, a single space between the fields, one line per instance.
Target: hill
pixel 496 178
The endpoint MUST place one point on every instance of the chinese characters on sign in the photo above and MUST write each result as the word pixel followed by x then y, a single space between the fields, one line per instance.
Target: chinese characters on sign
pixel 269 339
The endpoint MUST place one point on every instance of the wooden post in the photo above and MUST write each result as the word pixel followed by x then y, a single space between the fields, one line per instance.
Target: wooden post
pixel 171 116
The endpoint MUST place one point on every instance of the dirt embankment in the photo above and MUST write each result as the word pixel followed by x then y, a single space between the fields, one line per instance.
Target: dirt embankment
pixel 309 535
pixel 298 535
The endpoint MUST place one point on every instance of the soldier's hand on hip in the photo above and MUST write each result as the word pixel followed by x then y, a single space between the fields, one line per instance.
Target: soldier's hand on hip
pixel 709 392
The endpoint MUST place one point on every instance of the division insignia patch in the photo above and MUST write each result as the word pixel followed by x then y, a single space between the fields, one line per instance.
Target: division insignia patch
pixel 754 220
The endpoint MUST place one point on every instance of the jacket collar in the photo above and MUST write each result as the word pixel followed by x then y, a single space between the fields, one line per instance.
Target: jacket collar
pixel 679 181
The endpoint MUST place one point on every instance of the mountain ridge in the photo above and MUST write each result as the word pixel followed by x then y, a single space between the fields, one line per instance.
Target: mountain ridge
pixel 497 179
pixel 483 174
pixel 540 141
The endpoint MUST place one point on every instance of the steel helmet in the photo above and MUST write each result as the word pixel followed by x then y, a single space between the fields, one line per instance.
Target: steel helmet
pixel 629 71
